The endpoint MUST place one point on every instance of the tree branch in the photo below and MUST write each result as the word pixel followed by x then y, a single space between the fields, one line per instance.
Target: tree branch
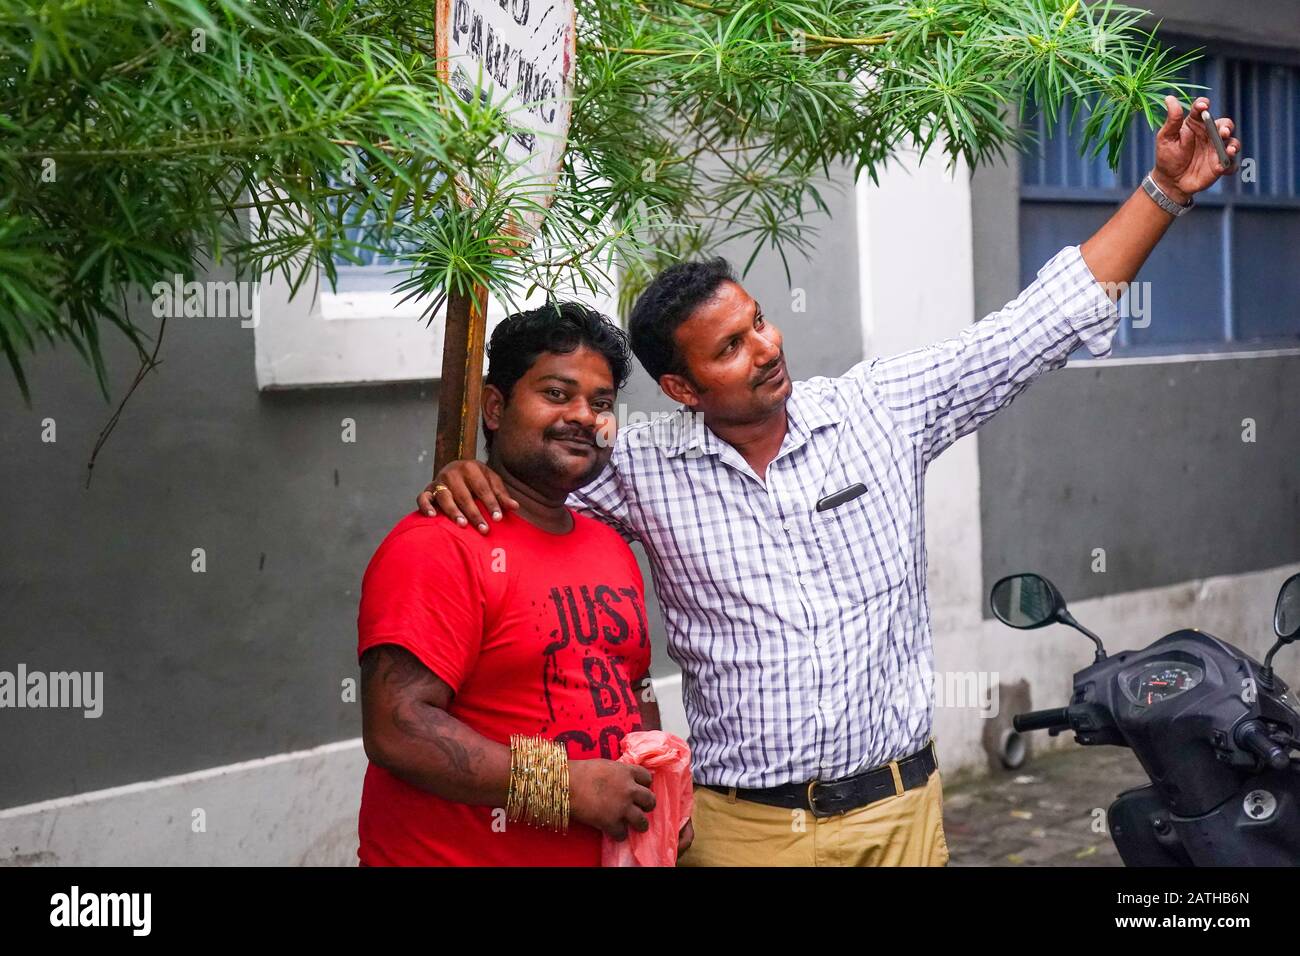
pixel 147 364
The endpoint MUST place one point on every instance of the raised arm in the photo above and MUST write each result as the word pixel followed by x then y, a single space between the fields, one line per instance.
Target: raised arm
pixel 1186 163
pixel 941 392
pixel 938 393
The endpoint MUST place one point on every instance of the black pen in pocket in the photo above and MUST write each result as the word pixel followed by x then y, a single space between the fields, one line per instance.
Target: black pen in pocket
pixel 835 499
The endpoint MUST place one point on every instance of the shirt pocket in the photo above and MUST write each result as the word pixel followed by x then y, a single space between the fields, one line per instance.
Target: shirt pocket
pixel 860 548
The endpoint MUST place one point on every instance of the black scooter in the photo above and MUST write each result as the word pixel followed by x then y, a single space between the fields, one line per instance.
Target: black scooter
pixel 1212 727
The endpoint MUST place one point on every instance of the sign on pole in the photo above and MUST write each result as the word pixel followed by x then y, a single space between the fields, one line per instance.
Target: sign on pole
pixel 522 51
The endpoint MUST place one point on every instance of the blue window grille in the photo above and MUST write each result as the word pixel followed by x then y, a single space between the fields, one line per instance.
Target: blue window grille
pixel 376 270
pixel 1227 275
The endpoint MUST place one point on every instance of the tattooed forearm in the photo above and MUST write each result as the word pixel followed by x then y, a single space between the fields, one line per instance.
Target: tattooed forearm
pixel 408 731
pixel 456 753
pixel 423 722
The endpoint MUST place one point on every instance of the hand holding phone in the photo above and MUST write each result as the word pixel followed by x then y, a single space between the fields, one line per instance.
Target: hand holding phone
pixel 1212 129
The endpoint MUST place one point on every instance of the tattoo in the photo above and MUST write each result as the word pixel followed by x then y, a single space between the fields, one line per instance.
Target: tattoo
pixel 398 668
pixel 417 699
pixel 426 724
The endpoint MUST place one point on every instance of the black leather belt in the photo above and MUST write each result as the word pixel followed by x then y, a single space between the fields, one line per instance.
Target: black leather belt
pixel 826 798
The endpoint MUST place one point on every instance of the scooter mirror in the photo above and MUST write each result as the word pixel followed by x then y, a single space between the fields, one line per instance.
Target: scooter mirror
pixel 1026 601
pixel 1286 616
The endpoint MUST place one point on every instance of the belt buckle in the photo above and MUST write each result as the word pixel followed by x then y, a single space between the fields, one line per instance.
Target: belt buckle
pixel 812 802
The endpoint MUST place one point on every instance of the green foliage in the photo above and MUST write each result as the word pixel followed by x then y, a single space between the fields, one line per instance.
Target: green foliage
pixel 181 133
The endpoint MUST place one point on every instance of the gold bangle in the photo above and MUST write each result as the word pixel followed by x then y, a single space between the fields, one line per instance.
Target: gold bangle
pixel 539 783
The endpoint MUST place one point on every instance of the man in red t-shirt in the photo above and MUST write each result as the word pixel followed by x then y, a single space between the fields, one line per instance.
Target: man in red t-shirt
pixel 539 630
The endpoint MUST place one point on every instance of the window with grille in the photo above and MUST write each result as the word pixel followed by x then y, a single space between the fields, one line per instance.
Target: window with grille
pixel 1227 275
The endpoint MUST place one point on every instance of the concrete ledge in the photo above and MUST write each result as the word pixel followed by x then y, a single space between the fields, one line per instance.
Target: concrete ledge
pixel 295 808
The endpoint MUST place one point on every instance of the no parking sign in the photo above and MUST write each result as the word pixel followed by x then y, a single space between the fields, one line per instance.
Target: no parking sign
pixel 522 50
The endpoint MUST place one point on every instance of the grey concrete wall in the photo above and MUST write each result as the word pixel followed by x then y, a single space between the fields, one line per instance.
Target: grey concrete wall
pixel 1148 463
pixel 246 659
pixel 201 669
pixel 1144 460
pixel 1263 22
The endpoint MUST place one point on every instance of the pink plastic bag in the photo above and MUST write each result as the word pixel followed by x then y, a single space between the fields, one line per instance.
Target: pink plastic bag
pixel 669 759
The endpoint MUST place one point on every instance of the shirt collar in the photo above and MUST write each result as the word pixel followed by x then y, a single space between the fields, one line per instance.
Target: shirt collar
pixel 691 433
pixel 807 414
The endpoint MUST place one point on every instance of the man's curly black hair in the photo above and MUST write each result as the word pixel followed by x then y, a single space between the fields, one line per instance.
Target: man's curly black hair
pixel 668 302
pixel 559 327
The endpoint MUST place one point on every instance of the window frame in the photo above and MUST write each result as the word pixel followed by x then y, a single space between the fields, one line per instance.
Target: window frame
pixel 1227 196
pixel 321 338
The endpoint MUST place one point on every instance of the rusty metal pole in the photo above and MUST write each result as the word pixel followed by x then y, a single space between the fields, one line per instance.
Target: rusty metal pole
pixel 462 377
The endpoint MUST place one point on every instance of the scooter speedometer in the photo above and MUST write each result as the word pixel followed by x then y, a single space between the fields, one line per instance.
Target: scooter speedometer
pixel 1156 681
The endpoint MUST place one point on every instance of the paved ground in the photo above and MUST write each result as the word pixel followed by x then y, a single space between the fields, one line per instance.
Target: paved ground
pixel 1042 814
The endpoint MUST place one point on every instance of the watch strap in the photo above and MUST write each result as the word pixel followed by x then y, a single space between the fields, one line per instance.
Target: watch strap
pixel 1163 201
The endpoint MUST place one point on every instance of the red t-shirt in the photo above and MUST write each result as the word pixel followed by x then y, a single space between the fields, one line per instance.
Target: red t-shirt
pixel 536 633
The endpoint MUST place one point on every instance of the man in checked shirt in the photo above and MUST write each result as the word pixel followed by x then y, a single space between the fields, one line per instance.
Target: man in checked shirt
pixel 803 634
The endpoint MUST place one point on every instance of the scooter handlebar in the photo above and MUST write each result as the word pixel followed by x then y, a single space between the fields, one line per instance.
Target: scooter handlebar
pixel 1252 737
pixel 1042 719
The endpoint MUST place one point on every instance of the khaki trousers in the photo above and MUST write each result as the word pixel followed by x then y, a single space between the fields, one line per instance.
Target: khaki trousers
pixel 902 830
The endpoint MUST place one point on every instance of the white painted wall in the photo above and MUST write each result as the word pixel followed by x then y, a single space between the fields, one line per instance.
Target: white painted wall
pixel 293 809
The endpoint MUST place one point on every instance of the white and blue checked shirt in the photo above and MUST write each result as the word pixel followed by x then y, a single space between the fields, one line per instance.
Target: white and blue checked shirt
pixel 804 636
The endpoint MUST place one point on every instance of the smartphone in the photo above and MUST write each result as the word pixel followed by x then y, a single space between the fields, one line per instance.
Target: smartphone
pixel 1213 129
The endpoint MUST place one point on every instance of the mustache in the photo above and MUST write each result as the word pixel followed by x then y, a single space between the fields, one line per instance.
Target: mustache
pixel 769 370
pixel 587 435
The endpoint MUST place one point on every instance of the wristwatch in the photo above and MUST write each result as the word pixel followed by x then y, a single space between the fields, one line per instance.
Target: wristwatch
pixel 1164 202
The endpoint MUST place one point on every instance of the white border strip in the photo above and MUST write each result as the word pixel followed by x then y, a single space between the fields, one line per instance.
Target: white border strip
pixel 862 223
pixel 91 796
pixel 1181 358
